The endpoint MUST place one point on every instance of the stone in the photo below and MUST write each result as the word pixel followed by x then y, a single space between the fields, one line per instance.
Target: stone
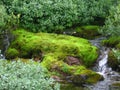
pixel 77 79
pixel 73 61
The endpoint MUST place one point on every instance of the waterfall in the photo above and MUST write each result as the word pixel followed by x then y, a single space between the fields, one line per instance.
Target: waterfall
pixel 1 56
pixel 102 68
pixel 5 42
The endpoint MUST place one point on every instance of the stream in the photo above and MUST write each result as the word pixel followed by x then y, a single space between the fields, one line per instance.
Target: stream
pixel 101 67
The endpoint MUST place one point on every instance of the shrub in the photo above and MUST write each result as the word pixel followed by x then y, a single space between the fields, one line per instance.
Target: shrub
pixel 24 76
pixel 7 21
pixel 3 17
pixel 112 24
pixel 13 53
pixel 56 15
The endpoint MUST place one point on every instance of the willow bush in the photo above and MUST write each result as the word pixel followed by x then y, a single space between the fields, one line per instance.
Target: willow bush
pixel 7 21
pixel 56 15
pixel 112 23
pixel 3 18
pixel 24 76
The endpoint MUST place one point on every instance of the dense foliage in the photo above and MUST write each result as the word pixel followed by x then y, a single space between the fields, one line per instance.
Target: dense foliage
pixel 112 24
pixel 22 76
pixel 54 15
pixel 3 17
pixel 7 21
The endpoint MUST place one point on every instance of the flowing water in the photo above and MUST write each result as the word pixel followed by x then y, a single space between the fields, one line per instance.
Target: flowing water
pixel 4 43
pixel 110 76
pixel 101 67
pixel 1 56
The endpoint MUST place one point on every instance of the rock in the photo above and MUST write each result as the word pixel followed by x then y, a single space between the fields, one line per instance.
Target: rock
pixel 60 53
pixel 89 32
pixel 113 62
pixel 77 79
pixel 115 86
pixel 56 78
pixel 73 61
pixel 115 77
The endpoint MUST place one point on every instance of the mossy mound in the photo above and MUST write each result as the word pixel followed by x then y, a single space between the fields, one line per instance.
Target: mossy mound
pixel 113 61
pixel 112 42
pixel 89 32
pixel 52 46
pixel 53 50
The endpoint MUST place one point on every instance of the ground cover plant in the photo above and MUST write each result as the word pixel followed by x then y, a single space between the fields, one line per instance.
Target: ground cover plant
pixel 17 75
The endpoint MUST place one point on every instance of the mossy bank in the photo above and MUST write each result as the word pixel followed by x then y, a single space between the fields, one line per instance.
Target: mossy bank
pixel 113 59
pixel 60 54
pixel 88 31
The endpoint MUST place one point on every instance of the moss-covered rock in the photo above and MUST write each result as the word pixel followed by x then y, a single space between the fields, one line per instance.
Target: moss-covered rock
pixel 113 61
pixel 112 42
pixel 89 32
pixel 115 86
pixel 53 46
pixel 54 50
pixel 12 53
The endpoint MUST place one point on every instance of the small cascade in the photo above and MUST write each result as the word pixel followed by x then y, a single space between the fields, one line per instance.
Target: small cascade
pixel 102 64
pixel 5 42
pixel 102 68
pixel 1 56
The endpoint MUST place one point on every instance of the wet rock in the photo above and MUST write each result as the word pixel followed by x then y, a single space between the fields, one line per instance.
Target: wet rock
pixel 115 86
pixel 77 79
pixel 56 78
pixel 115 77
pixel 89 32
pixel 73 61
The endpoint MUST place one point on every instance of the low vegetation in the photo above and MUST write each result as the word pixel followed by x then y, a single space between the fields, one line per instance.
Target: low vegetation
pixel 24 76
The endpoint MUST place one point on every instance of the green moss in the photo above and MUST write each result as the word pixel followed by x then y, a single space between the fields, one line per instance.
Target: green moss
pixel 118 46
pixel 116 84
pixel 93 78
pixel 90 27
pixel 112 42
pixel 55 49
pixel 72 87
pixel 88 32
pixel 12 53
pixel 53 46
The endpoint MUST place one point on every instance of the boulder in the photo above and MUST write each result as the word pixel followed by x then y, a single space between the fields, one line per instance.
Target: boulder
pixel 62 55
pixel 70 60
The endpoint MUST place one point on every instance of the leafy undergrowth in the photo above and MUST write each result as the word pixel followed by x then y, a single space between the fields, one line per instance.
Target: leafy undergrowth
pixel 54 49
pixel 24 76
